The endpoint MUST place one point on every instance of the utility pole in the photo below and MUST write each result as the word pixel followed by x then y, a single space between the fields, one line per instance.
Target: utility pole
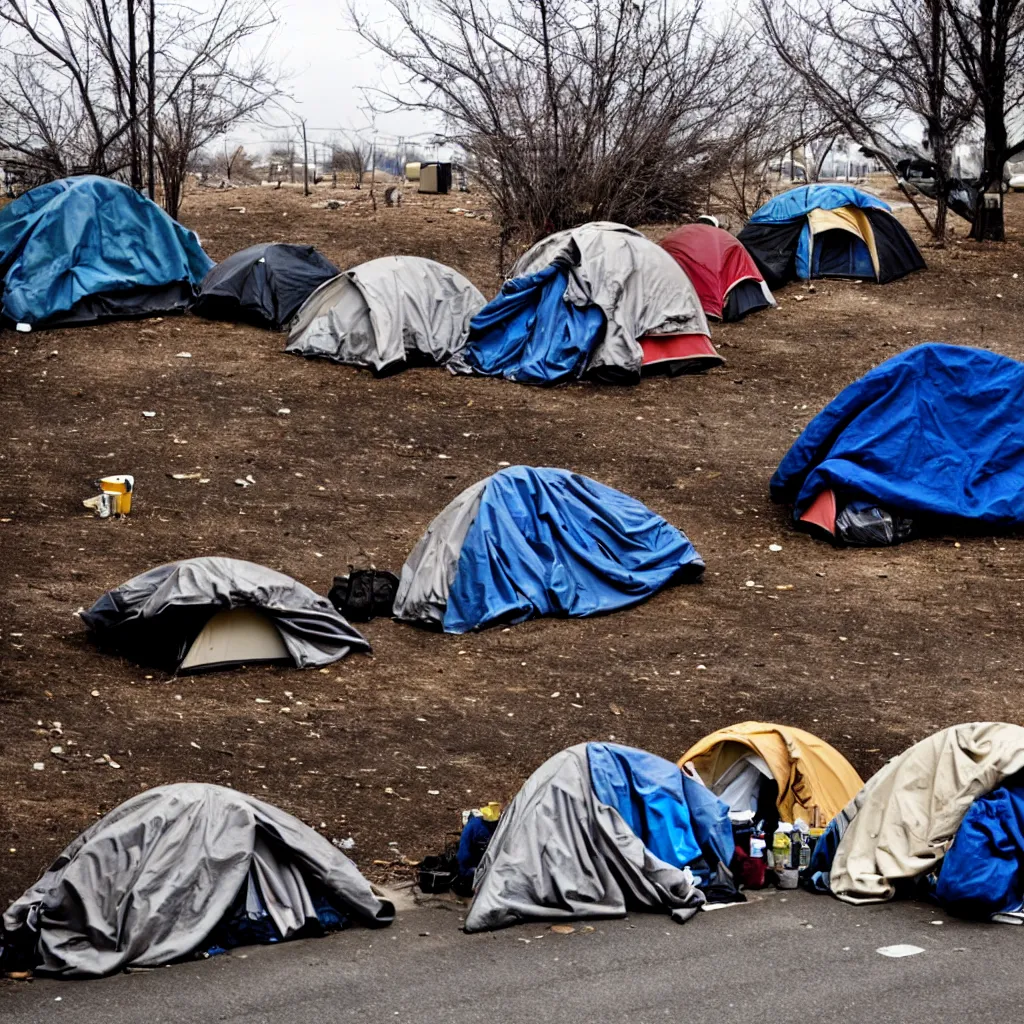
pixel 305 160
pixel 151 112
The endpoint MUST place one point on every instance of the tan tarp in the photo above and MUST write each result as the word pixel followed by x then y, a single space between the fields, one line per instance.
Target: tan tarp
pixel 905 818
pixel 845 218
pixel 815 780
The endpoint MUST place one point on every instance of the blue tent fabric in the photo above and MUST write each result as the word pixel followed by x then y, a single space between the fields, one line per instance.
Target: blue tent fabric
pixel 936 431
pixel 89 247
pixel 712 826
pixel 983 871
pixel 550 542
pixel 798 202
pixel 647 791
pixel 530 334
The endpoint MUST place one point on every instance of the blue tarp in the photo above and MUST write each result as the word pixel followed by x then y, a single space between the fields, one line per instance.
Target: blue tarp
pixel 529 333
pixel 551 542
pixel 648 792
pixel 69 241
pixel 936 431
pixel 983 871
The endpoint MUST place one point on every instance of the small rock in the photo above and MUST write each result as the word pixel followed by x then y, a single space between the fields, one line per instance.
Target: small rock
pixel 38 766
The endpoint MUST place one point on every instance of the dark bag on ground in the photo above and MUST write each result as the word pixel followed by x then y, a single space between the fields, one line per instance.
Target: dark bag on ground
pixel 364 594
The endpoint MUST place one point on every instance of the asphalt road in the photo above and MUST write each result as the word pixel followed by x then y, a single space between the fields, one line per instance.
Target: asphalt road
pixel 786 957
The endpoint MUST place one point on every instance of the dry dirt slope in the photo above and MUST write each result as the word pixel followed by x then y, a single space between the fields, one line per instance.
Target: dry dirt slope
pixel 871 649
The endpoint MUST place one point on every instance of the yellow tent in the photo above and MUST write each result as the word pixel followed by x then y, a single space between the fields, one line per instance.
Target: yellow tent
pixel 815 780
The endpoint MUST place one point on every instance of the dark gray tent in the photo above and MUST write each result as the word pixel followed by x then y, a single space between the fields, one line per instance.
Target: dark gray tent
pixel 264 284
pixel 206 613
pixel 173 870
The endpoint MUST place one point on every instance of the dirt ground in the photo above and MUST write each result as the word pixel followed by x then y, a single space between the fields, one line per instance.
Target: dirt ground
pixel 870 649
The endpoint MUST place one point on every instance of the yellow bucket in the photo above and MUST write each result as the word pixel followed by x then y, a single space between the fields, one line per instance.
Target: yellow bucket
pixel 120 490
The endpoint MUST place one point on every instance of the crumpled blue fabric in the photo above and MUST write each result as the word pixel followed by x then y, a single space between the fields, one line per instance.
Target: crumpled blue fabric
pixel 936 431
pixel 647 791
pixel 550 542
pixel 983 871
pixel 529 333
pixel 84 236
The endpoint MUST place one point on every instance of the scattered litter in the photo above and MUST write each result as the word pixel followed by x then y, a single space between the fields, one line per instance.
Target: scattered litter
pixel 936 922
pixel 562 929
pixel 38 766
pixel 433 792
pixel 95 693
pixel 182 355
pixel 58 749
pixel 901 949
pixel 785 586
pixel 148 415
pixel 284 411
pixel 750 583
pixel 115 497
pixel 192 743
pixel 774 547
pixel 236 209
pixel 344 844
pixel 262 700
pixel 615 709
pixel 185 476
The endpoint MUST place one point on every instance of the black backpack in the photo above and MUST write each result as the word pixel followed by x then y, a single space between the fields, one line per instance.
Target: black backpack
pixel 364 594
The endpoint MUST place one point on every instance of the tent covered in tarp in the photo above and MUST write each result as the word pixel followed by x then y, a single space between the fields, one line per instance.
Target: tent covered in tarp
pixel 180 870
pixel 726 279
pixel 264 284
pixel 85 249
pixel 829 231
pixel 601 301
pixel 810 779
pixel 931 438
pixel 597 831
pixel 206 613
pixel 898 828
pixel 387 314
pixel 527 542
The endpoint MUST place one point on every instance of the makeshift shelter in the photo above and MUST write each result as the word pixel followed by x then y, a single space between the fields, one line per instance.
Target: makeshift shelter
pixel 527 542
pixel 813 780
pixel 828 231
pixel 597 831
pixel 86 249
pixel 726 279
pixel 206 613
pixel 387 314
pixel 933 437
pixel 600 301
pixel 264 284
pixel 435 178
pixel 899 826
pixel 180 870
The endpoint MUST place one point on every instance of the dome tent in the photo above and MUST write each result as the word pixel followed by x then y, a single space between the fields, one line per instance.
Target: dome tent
pixel 177 869
pixel 930 438
pixel 264 284
pixel 600 300
pixel 87 249
pixel 828 231
pixel 205 613
pixel 813 779
pixel 598 830
pixel 527 542
pixel 726 279
pixel 387 314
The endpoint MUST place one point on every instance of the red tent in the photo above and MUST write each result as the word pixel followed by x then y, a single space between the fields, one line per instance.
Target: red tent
pixel 725 277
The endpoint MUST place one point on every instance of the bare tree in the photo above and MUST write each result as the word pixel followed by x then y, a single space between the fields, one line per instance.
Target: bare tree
pixel 571 109
pixel 873 63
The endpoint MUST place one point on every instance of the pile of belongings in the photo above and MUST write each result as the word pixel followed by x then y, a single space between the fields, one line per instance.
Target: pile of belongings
pixel 944 819
pixel 930 440
pixel 178 871
pixel 206 613
pixel 528 542
pixel 600 301
pixel 88 249
pixel 263 285
pixel 600 830
pixel 829 231
pixel 726 279
pixel 387 314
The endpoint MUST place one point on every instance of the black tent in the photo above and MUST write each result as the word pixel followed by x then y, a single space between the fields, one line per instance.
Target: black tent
pixel 264 284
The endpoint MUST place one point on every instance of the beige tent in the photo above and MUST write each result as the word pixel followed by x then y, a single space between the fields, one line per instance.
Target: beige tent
pixel 412 171
pixel 844 218
pixel 237 636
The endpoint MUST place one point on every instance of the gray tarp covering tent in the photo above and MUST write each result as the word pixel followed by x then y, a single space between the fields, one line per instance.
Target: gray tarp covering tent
pixel 148 882
pixel 387 313
pixel 559 853
pixel 637 284
pixel 900 825
pixel 155 617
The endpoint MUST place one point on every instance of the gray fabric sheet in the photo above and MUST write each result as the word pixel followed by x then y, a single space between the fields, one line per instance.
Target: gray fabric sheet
pixel 428 572
pixel 155 616
pixel 378 313
pixel 148 882
pixel 558 853
pixel 639 286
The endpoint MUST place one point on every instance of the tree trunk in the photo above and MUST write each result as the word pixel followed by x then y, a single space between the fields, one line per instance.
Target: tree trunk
pixel 135 157
pixel 151 108
pixel 988 222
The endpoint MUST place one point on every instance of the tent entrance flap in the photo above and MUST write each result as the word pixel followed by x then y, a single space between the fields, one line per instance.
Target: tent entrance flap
pixel 236 636
pixel 848 219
